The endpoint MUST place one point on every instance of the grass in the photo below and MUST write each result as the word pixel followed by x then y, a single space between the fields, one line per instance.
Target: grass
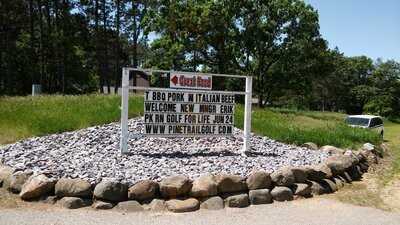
pixel 297 127
pixel 22 117
pixel 392 139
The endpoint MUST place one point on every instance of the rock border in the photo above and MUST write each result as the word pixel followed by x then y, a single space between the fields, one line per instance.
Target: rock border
pixel 212 192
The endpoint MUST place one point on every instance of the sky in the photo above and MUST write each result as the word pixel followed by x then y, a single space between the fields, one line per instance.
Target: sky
pixel 361 27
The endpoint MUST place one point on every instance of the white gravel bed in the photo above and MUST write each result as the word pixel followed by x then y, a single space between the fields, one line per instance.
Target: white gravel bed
pixel 93 154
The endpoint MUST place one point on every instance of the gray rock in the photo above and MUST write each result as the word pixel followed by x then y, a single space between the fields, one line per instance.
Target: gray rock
pixel 17 180
pixel 5 173
pixel 300 175
pixel 339 163
pixel 74 202
pixel 302 189
pixel 212 203
pixel 346 176
pixel 318 189
pixel 368 147
pixel 175 186
pixel 111 191
pixel 283 177
pixel 230 183
pixel 36 186
pixel 318 172
pixel 355 172
pixel 102 205
pixel 338 182
pixel 282 194
pixel 258 180
pixel 129 206
pixel 73 188
pixel 180 206
pixel 260 196
pixel 329 185
pixel 332 150
pixel 310 145
pixel 204 186
pixel 157 205
pixel 237 201
pixel 364 167
pixel 143 190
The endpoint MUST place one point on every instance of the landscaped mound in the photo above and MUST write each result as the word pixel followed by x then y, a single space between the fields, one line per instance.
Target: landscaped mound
pixel 93 154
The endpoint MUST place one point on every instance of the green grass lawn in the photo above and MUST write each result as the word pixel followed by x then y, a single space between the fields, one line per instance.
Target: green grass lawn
pixel 22 117
pixel 392 139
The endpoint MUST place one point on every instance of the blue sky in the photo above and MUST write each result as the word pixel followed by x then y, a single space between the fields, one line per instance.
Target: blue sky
pixel 361 27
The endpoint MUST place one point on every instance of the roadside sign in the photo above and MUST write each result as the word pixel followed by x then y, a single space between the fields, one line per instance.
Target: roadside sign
pixel 190 81
pixel 183 113
pixel 180 112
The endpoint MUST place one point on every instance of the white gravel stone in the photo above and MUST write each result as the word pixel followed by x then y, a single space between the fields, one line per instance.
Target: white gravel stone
pixel 93 154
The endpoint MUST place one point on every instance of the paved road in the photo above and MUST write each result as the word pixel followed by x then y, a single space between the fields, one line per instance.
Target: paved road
pixel 317 211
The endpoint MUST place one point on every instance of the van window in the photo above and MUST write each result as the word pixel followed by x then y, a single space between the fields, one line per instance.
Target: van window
pixel 357 121
pixel 376 122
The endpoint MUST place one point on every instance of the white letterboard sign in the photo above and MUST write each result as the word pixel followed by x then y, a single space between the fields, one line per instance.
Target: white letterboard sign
pixel 183 113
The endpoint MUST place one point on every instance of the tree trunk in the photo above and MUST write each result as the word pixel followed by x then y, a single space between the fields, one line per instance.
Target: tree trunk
pixel 97 46
pixel 117 69
pixel 105 47
pixel 32 41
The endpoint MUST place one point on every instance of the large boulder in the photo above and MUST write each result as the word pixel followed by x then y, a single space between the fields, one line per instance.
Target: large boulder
pixel 237 201
pixel 355 172
pixel 129 206
pixel 143 190
pixel 260 196
pixel 332 150
pixel 230 183
pixel 318 189
pixel 283 177
pixel 204 186
pixel 180 206
pixel 300 174
pixel 318 172
pixel 310 145
pixel 176 186
pixel 212 203
pixel 5 173
pixel 329 185
pixel 110 190
pixel 282 194
pixel 302 189
pixel 339 163
pixel 258 180
pixel 73 188
pixel 17 180
pixel 37 186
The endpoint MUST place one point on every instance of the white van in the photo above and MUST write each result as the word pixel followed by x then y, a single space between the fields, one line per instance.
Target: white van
pixel 366 121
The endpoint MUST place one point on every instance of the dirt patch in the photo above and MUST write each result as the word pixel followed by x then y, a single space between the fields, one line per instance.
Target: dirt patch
pixel 390 194
pixel 13 201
